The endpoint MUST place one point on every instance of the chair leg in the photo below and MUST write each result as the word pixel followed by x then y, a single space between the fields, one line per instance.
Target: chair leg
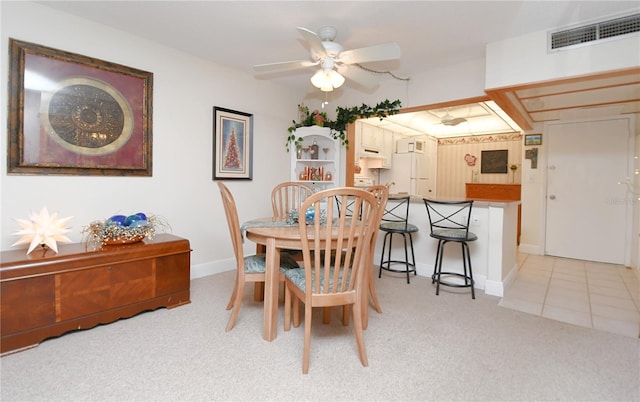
pixel 374 295
pixel 233 294
pixel 258 291
pixel 236 306
pixel 439 275
pixel 384 243
pixel 357 327
pixel 435 265
pixel 287 307
pixel 413 256
pixel 326 315
pixel 468 260
pixel 307 338
pixel 406 257
pixel 346 311
pixel 296 311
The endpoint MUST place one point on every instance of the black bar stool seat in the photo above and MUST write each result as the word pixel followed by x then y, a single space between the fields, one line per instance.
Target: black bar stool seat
pixel 395 222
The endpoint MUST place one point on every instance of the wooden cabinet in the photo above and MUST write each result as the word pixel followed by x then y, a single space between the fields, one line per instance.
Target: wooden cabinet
pixel 328 158
pixel 44 294
pixel 496 192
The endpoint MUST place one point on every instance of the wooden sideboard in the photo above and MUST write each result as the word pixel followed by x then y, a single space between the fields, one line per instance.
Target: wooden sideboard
pixel 496 192
pixel 44 294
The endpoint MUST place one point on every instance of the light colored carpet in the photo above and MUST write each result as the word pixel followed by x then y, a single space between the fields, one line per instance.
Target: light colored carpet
pixel 423 347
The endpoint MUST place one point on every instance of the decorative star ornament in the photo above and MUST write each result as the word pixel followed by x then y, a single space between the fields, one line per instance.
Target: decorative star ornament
pixel 42 229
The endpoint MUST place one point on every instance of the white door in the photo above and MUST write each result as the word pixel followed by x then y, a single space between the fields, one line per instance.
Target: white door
pixel 588 212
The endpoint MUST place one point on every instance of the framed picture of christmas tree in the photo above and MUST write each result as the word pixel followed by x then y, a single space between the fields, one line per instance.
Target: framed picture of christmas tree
pixel 232 144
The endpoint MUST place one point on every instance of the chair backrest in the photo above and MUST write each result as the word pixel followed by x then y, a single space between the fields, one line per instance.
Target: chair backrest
pixel 231 213
pixel 287 196
pixel 380 192
pixel 328 271
pixel 398 210
pixel 449 216
pixel 382 195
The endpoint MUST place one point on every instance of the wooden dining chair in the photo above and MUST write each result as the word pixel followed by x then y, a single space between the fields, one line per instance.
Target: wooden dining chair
pixel 381 192
pixel 287 196
pixel 332 278
pixel 249 268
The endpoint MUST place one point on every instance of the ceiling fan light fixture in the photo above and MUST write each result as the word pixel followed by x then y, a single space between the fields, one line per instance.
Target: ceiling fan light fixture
pixel 327 80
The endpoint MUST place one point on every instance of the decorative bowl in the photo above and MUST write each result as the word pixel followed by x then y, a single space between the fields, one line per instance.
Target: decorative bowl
pixel 112 232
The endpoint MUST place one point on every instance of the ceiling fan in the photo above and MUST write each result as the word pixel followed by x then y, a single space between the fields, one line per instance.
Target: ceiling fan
pixel 333 62
pixel 449 120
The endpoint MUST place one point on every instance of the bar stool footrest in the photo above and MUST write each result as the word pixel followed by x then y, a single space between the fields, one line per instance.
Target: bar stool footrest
pixel 434 278
pixel 388 266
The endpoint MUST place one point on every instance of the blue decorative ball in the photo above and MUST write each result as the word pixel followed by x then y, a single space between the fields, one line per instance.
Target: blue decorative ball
pixel 142 216
pixel 117 220
pixel 131 219
pixel 140 223
pixel 309 215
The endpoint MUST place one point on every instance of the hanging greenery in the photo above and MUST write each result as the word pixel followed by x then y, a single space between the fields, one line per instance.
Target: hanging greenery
pixel 344 116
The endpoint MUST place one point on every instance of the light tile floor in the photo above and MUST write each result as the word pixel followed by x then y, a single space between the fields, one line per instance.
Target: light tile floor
pixel 585 293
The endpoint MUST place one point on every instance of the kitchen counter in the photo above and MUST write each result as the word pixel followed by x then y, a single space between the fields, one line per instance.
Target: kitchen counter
pixel 493 255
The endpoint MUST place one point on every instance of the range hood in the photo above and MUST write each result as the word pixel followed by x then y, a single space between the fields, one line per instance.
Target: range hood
pixel 366 153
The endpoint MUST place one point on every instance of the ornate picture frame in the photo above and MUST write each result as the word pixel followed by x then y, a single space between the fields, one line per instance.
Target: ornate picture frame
pixel 71 114
pixel 232 144
pixel 532 139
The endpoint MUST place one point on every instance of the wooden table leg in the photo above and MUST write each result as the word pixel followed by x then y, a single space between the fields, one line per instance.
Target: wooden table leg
pixel 272 284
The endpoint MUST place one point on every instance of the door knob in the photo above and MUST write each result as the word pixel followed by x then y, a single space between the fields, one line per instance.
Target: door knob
pixel 552 197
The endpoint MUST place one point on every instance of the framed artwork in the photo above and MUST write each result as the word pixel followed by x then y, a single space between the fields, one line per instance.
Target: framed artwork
pixel 75 115
pixel 494 161
pixel 533 139
pixel 232 144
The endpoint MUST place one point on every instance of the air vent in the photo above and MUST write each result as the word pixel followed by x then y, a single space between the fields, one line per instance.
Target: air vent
pixel 593 32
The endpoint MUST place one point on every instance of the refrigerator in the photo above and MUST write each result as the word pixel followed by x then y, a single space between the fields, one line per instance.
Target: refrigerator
pixel 410 174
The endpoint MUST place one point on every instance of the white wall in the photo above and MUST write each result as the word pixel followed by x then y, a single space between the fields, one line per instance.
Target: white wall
pixel 185 91
pixel 458 81
pixel 525 59
pixel 454 172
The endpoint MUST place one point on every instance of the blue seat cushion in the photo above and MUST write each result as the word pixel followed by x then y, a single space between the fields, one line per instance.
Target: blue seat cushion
pixel 398 227
pixel 256 264
pixel 296 276
pixel 454 235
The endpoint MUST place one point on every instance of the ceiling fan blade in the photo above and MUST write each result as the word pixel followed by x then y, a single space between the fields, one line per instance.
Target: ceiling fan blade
pixel 454 121
pixel 359 76
pixel 285 65
pixel 386 51
pixel 314 41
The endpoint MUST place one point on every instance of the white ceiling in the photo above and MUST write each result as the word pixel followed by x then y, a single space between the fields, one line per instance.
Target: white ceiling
pixel 431 34
pixel 470 119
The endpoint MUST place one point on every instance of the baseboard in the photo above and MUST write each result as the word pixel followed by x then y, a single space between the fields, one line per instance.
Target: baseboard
pixel 530 249
pixel 494 288
pixel 211 268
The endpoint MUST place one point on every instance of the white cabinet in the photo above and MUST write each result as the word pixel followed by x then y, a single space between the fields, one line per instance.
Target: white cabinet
pixel 373 144
pixel 387 148
pixel 321 172
pixel 371 138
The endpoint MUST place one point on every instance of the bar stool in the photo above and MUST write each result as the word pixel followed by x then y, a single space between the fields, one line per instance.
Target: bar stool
pixel 395 221
pixel 449 222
